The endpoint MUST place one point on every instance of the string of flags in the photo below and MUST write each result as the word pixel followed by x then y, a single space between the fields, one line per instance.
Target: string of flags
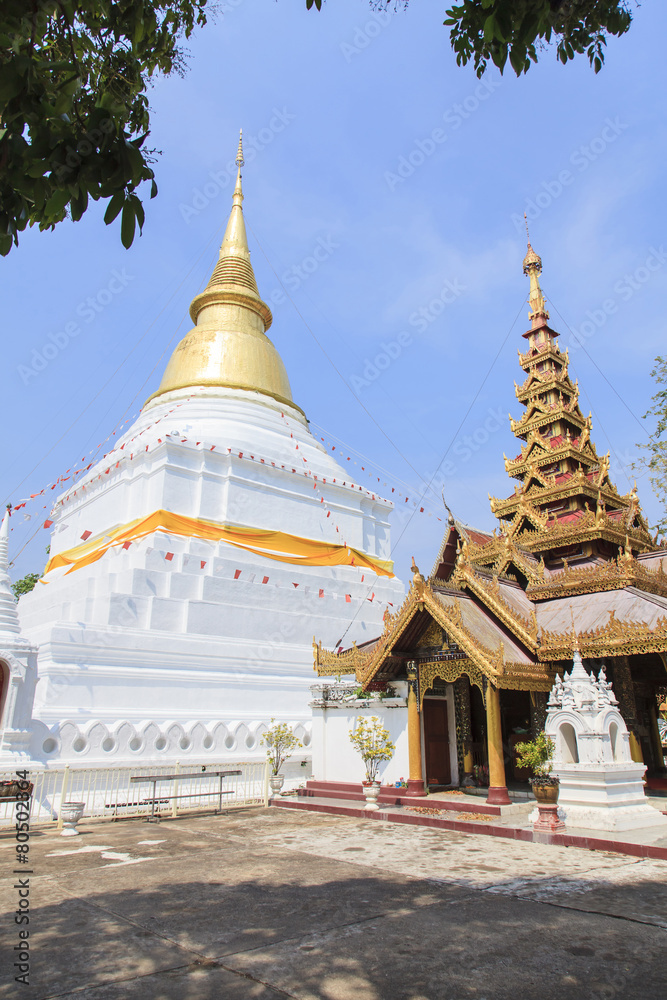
pixel 128 450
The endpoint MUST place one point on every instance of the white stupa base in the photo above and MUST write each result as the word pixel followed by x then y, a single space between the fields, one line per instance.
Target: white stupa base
pixel 606 797
pixel 96 743
pixel 192 698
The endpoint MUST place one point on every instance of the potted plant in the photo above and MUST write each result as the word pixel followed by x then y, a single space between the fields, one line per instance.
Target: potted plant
pixel 535 755
pixel 280 743
pixel 371 740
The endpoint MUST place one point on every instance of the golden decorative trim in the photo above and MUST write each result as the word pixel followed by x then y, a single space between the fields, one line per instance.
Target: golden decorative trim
pixel 616 638
pixel 519 466
pixel 545 351
pixel 449 671
pixel 328 663
pixel 576 486
pixel 622 572
pixel 536 382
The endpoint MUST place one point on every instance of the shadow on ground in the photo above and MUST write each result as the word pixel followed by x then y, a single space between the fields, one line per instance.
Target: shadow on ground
pixel 265 924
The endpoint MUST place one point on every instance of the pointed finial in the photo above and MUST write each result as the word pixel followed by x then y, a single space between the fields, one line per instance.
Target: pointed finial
pixel 9 620
pixel 532 261
pixel 532 266
pixel 575 637
pixel 238 191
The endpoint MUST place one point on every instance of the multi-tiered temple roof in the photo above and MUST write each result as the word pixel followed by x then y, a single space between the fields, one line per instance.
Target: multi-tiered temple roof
pixel 571 563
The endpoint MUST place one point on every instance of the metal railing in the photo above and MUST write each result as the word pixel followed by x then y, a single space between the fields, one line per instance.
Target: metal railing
pixel 108 793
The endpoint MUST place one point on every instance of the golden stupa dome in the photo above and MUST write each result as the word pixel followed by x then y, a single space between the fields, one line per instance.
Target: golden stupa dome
pixel 228 345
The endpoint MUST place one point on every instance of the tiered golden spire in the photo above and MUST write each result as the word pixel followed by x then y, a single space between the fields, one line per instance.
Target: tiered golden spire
pixel 532 266
pixel 228 345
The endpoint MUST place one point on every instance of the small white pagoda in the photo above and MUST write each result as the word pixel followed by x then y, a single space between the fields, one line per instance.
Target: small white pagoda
pixel 18 669
pixel 601 787
pixel 191 567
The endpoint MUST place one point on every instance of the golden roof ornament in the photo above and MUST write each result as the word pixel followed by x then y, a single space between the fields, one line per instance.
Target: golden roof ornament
pixel 416 575
pixel 228 346
pixel 532 266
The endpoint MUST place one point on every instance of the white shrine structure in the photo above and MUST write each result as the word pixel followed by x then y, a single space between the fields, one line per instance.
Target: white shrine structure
pixel 601 787
pixel 18 668
pixel 190 569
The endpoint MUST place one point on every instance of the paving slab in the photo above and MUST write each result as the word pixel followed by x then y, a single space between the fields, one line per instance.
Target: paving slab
pixel 480 946
pixel 265 903
pixel 594 881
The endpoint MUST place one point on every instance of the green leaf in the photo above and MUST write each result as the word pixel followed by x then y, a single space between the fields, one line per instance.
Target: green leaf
pixel 56 203
pixel 138 210
pixel 127 225
pixel 114 207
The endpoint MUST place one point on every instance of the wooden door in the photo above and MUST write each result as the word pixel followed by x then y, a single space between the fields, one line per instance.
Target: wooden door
pixel 436 741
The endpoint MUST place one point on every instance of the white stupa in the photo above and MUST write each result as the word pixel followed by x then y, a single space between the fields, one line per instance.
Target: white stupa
pixel 191 568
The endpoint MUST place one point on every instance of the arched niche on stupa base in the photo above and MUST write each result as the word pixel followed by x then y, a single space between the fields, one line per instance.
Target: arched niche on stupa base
pixel 221 737
pixel 125 733
pixel 201 739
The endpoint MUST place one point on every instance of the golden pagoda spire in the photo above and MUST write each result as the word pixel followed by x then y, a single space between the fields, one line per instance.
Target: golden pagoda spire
pixel 228 345
pixel 532 266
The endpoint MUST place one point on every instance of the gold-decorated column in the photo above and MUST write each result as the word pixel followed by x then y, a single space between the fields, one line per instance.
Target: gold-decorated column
pixel 656 741
pixel 497 786
pixel 415 778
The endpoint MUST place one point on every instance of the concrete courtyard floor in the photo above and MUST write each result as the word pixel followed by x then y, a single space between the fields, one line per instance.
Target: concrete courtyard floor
pixel 260 904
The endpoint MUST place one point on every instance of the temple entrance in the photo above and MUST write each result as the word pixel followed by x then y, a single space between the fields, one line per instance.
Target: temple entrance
pixel 436 742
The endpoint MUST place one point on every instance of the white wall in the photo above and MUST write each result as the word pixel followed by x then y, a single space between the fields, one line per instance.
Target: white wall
pixel 334 757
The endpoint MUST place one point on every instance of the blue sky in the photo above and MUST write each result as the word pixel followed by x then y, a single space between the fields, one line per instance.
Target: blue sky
pixel 410 178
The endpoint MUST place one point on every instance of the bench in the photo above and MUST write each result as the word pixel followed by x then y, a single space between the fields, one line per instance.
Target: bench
pixel 10 791
pixel 159 799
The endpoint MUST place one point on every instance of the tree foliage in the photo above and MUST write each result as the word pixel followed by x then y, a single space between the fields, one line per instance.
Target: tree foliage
pixel 483 31
pixel 655 460
pixel 74 112
pixel 25 584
